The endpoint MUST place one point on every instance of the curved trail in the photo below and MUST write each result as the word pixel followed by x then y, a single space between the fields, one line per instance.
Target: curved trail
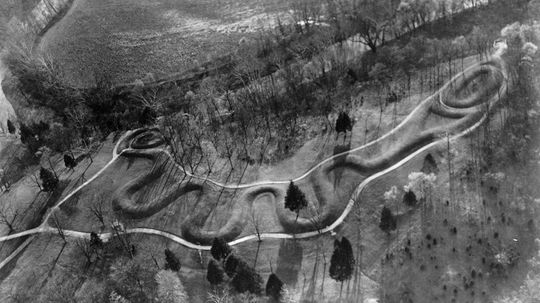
pixel 44 228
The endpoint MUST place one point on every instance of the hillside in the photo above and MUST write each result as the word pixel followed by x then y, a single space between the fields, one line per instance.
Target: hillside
pixel 362 151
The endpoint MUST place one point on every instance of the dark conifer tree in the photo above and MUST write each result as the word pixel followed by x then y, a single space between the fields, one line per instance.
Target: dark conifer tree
pixel 69 161
pixel 430 165
pixel 342 261
pixel 49 182
pixel 409 198
pixel 171 260
pixel 246 279
pixel 214 274
pixel 295 200
pixel 26 133
pixel 274 286
pixel 95 240
pixel 231 265
pixel 220 249
pixel 340 127
pixel 388 221
pixel 343 123
pixel 347 123
pixel 11 127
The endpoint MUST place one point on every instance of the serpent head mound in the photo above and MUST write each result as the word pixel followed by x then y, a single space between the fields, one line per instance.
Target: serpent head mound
pixel 475 90
pixel 146 139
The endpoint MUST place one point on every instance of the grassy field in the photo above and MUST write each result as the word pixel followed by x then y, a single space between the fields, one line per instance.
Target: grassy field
pixel 126 40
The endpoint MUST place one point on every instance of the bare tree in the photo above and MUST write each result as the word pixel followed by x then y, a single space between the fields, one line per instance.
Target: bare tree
pixel 316 218
pixel 84 247
pixel 57 224
pixel 8 215
pixel 97 209
pixel 35 180
pixel 255 220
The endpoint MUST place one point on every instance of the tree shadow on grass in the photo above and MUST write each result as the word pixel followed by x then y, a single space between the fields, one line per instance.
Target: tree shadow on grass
pixel 338 171
pixel 289 262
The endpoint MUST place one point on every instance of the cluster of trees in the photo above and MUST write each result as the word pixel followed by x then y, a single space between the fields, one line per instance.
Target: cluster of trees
pixel 388 221
pixel 373 22
pixel 80 112
pixel 242 277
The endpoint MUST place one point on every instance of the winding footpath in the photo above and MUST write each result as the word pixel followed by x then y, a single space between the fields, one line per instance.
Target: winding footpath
pixel 44 228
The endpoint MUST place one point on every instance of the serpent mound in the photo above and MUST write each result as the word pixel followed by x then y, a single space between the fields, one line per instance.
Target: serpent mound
pixel 331 186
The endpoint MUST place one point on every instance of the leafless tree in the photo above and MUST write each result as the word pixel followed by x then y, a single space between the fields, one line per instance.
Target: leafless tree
pixel 256 220
pixel 57 224
pixel 316 218
pixel 8 215
pixel 35 180
pixel 84 247
pixel 97 209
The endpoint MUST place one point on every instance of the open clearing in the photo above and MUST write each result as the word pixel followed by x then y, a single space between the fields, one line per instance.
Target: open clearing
pixel 127 40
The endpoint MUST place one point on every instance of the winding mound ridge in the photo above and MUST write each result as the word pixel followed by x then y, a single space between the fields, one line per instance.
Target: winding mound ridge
pixel 332 185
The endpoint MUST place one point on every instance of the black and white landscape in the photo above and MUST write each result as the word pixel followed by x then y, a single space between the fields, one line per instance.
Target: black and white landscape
pixel 270 151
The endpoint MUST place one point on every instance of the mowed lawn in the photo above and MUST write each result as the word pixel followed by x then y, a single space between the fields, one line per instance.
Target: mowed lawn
pixel 124 40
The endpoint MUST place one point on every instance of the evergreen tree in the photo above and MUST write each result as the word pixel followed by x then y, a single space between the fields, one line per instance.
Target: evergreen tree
pixel 274 286
pixel 246 279
pixel 342 261
pixel 343 123
pixel 48 180
pixel 388 221
pixel 231 264
pixel 214 274
pixel 220 249
pixel 29 138
pixel 11 127
pixel 347 123
pixel 95 240
pixel 295 200
pixel 171 260
pixel 69 161
pixel 26 133
pixel 409 198
pixel 430 165
pixel 340 128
